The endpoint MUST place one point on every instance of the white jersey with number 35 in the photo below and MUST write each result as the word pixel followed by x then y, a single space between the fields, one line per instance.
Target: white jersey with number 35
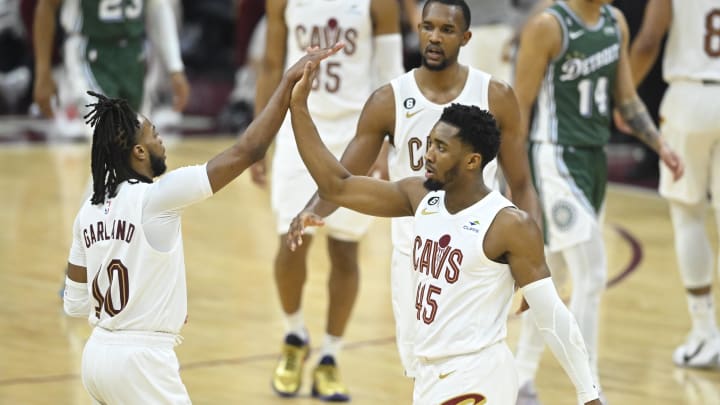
pixel 342 84
pixel 692 51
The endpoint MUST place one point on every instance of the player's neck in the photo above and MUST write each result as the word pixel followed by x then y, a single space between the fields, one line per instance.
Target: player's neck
pixel 588 11
pixel 460 196
pixel 441 86
pixel 142 169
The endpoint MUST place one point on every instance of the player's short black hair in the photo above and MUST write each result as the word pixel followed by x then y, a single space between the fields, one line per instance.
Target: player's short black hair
pixel 116 128
pixel 459 3
pixel 478 129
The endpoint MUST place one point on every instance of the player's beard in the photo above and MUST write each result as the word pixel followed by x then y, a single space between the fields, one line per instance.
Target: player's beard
pixel 441 66
pixel 433 185
pixel 157 164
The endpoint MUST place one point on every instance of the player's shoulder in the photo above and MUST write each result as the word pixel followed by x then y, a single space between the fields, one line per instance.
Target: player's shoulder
pixel 383 96
pixel 516 222
pixel 546 22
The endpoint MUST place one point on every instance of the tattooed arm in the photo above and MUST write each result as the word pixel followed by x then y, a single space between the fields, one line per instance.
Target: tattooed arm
pixel 638 119
pixel 633 110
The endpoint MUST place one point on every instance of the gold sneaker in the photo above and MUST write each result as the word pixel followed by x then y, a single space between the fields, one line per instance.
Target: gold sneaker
pixel 288 373
pixel 327 385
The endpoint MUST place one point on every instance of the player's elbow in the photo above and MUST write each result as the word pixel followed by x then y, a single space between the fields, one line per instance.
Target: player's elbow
pixel 332 189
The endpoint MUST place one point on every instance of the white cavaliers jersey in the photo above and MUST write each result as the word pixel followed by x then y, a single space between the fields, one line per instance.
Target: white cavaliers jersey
pixel 415 116
pixel 132 285
pixel 692 50
pixel 343 83
pixel 462 297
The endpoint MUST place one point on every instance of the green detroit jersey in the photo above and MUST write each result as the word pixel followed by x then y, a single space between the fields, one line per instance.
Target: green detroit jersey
pixel 109 20
pixel 574 103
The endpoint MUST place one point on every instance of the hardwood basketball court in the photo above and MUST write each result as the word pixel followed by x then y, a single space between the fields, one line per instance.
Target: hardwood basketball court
pixel 235 325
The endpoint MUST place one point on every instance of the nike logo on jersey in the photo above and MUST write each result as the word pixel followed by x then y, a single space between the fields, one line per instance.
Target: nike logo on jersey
pixel 412 114
pixel 443 376
pixel 426 212
pixel 576 34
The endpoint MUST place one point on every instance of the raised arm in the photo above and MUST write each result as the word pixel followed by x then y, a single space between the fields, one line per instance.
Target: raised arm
pixel 254 142
pixel 646 45
pixel 336 183
pixel 633 110
pixel 513 156
pixel 43 40
pixel 516 237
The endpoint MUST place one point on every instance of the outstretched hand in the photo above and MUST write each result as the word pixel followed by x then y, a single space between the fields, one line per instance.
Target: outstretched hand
pixel 297 228
pixel 313 57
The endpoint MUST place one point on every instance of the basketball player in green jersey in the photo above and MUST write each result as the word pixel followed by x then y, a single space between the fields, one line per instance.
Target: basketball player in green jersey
pixel 573 67
pixel 111 48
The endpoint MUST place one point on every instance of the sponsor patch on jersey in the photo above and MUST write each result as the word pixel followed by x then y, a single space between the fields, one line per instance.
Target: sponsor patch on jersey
pixel 409 103
pixel 563 214
pixel 471 226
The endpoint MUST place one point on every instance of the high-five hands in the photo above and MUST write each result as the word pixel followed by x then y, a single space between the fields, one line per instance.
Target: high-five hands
pixel 311 61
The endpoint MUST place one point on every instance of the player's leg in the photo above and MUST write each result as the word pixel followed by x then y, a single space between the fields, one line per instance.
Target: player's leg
pixel 587 263
pixel 345 228
pixel 290 274
pixel 690 129
pixel 291 187
pixel 695 261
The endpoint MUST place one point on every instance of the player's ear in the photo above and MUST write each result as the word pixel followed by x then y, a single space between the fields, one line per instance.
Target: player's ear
pixel 474 161
pixel 466 37
pixel 139 152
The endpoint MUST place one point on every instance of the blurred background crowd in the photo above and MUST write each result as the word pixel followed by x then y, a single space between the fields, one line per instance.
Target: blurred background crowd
pixel 222 44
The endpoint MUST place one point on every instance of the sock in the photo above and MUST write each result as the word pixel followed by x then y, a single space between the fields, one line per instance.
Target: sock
pixel 331 346
pixel 702 313
pixel 296 325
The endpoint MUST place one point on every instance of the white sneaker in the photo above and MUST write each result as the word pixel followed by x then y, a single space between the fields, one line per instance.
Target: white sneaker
pixel 698 352
pixel 527 395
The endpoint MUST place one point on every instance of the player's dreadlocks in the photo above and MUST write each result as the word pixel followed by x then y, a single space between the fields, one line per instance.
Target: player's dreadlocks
pixel 116 126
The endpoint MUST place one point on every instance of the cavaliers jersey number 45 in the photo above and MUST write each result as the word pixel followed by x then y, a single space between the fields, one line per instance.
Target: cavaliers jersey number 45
pixel 462 297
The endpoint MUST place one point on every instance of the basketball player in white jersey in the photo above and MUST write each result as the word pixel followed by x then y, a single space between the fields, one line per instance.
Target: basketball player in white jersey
pixel 126 268
pixel 689 114
pixel 471 247
pixel 406 110
pixel 372 56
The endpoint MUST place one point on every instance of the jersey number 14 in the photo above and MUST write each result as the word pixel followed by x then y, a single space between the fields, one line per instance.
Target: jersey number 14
pixel 593 93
